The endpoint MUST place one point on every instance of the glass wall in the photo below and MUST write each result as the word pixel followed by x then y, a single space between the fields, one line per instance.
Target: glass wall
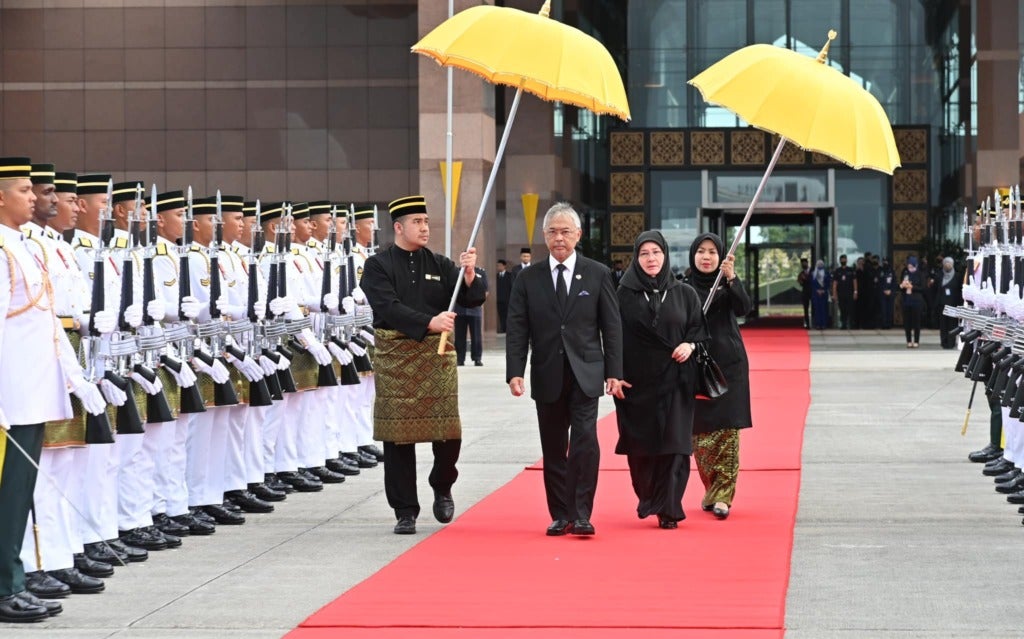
pixel 675 202
pixel 861 212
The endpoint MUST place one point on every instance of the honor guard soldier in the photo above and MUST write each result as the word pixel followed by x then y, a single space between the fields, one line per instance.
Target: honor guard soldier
pixel 29 331
pixel 409 288
pixel 368 454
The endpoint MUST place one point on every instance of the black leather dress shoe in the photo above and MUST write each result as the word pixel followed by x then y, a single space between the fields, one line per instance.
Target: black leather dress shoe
pixel 720 511
pixel 582 527
pixel 342 467
pixel 248 502
pixel 92 568
pixel 1013 486
pixel 230 505
pixel 202 515
pixel 477 363
pixel 1010 475
pixel 41 584
pixel 133 553
pixel 172 541
pixel 168 526
pixel 264 492
pixel 102 553
pixel 326 476
pixel 195 526
pixel 987 453
pixel 1016 498
pixel 300 483
pixel 142 538
pixel 373 450
pixel 444 506
pixel 667 522
pixel 360 460
pixel 1020 511
pixel 223 516
pixel 406 526
pixel 707 508
pixel 369 461
pixel 80 584
pixel 273 482
pixel 53 608
pixel 559 527
pixel 997 467
pixel 14 609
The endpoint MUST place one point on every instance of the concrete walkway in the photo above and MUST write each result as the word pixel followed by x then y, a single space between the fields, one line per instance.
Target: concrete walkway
pixel 897 534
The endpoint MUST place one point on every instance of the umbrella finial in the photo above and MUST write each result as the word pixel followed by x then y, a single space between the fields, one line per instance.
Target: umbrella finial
pixel 545 11
pixel 824 50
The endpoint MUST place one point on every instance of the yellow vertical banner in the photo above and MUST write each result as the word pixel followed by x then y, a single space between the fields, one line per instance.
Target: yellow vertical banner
pixel 530 201
pixel 456 176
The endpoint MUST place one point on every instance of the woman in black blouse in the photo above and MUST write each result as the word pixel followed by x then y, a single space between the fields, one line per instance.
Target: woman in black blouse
pixel 716 422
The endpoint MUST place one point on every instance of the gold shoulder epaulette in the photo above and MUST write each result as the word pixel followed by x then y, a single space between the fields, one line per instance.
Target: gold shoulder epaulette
pixel 84 242
pixel 161 248
pixel 295 251
pixel 121 242
pixel 195 248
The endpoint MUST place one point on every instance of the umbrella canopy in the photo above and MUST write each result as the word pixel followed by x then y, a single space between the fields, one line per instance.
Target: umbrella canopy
pixel 805 101
pixel 532 52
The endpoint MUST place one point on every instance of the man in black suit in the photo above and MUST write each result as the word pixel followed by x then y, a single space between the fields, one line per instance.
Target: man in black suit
pixel 503 285
pixel 524 260
pixel 566 308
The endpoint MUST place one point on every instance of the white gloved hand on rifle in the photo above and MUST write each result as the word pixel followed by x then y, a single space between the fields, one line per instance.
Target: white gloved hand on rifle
pixel 348 305
pixel 248 368
pixel 356 349
pixel 215 371
pixel 156 309
pixel 358 295
pixel 185 377
pixel 103 321
pixel 340 354
pixel 331 302
pixel 315 348
pixel 114 395
pixel 268 365
pixel 92 399
pixel 234 311
pixel 191 307
pixel 133 315
pixel 368 336
pixel 151 387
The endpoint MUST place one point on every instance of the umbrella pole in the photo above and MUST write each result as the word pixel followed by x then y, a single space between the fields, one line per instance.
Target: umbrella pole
pixel 746 218
pixel 483 205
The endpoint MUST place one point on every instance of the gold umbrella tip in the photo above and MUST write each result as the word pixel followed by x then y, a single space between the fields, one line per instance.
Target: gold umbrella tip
pixel 823 55
pixel 545 11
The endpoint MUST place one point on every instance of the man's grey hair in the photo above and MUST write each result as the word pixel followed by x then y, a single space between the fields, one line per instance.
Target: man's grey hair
pixel 562 209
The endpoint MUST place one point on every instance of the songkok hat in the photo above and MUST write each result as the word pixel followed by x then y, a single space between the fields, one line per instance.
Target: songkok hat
pixel 93 184
pixel 320 207
pixel 363 212
pixel 343 209
pixel 169 201
pixel 271 211
pixel 409 205
pixel 249 209
pixel 204 206
pixel 11 168
pixel 125 191
pixel 232 203
pixel 525 249
pixel 65 182
pixel 42 174
pixel 300 211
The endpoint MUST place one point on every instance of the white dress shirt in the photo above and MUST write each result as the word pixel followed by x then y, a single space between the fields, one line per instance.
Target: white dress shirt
pixel 570 266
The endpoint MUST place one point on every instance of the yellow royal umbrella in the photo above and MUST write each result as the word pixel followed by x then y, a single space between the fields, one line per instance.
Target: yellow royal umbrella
pixel 804 101
pixel 530 52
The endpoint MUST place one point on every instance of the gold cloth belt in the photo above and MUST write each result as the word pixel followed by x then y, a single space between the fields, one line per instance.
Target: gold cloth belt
pixel 417 392
pixel 71 431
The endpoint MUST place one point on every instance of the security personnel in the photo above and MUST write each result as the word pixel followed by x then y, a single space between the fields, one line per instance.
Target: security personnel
pixel 844 291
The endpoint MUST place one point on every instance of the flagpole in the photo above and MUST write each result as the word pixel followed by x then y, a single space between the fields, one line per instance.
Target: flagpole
pixel 448 156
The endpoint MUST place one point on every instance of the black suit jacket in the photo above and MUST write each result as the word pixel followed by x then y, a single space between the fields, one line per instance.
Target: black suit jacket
pixel 503 284
pixel 587 330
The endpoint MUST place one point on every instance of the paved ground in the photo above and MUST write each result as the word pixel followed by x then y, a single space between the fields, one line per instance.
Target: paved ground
pixel 897 534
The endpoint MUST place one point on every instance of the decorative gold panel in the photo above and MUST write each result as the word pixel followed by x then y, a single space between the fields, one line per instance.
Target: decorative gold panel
pixel 625 256
pixel 627 189
pixel 707 147
pixel 627 148
pixel 910 186
pixel 899 262
pixel 909 227
pixel 791 153
pixel 821 158
pixel 625 228
pixel 912 145
pixel 747 148
pixel 666 148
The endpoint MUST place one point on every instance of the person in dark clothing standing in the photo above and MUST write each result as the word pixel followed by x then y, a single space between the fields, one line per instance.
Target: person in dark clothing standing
pixel 503 286
pixel 470 320
pixel 661 323
pixel 865 298
pixel 804 280
pixel 617 272
pixel 912 284
pixel 950 293
pixel 716 422
pixel 886 292
pixel 525 258
pixel 844 291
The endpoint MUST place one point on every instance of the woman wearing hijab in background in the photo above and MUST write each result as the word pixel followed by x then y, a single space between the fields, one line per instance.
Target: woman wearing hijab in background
pixel 716 422
pixel 821 284
pixel 912 284
pixel 661 324
pixel 950 293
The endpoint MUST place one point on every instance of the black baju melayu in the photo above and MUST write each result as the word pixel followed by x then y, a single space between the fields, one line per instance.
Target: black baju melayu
pixel 656 417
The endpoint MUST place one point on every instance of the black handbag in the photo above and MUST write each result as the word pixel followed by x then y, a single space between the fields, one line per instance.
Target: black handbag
pixel 711 382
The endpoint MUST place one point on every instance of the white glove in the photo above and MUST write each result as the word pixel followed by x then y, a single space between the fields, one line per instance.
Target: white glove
pixel 185 378
pixel 261 310
pixel 348 305
pixel 216 372
pixel 340 354
pixel 368 336
pixel 248 368
pixel 283 362
pixel 133 315
pixel 331 301
pixel 156 310
pixel 358 295
pixel 104 321
pixel 191 307
pixel 151 387
pixel 315 348
pixel 4 423
pixel 114 395
pixel 356 349
pixel 235 311
pixel 268 366
pixel 969 292
pixel 280 305
pixel 92 399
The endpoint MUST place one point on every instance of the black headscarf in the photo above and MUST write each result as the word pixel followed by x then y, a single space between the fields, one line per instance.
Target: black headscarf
pixel 653 287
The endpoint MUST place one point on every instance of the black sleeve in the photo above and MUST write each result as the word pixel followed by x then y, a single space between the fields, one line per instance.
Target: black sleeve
pixel 517 331
pixel 738 297
pixel 610 321
pixel 469 296
pixel 696 324
pixel 380 292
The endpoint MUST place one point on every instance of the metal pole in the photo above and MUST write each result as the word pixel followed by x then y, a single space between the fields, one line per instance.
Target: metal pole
pixel 448 156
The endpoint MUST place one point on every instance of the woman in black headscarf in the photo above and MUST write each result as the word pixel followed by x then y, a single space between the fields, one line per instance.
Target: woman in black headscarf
pixel 661 323
pixel 716 422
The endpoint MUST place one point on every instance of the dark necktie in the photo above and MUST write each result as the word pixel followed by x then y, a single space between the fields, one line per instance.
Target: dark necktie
pixel 561 292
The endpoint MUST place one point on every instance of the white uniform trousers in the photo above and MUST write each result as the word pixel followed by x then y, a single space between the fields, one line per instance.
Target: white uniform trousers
pixel 201 456
pixel 286 454
pixel 350 403
pixel 253 444
pixel 1013 431
pixel 52 514
pixel 310 434
pixel 134 483
pixel 99 493
pixel 364 434
pixel 170 491
pixel 272 420
pixel 333 419
pixel 234 453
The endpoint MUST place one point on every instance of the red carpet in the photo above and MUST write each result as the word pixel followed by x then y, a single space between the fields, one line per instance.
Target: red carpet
pixel 493 573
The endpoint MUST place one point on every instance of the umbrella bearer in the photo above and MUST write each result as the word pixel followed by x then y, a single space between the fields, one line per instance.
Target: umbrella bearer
pixel 253 394
pixel 318 384
pixel 54 549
